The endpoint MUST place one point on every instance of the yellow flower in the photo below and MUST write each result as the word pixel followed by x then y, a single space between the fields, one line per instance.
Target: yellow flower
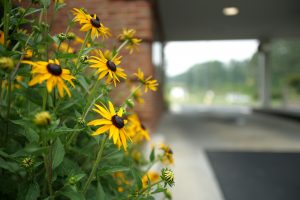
pixel 42 118
pixel 112 122
pixel 2 38
pixel 150 176
pixel 51 72
pixel 28 54
pixel 148 82
pixel 107 67
pixel 128 34
pixel 167 157
pixel 137 130
pixel 91 22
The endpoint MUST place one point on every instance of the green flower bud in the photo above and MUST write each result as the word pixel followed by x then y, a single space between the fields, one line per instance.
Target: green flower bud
pixel 7 64
pixel 129 103
pixel 62 36
pixel 71 36
pixel 72 180
pixel 83 59
pixel 167 176
pixel 27 162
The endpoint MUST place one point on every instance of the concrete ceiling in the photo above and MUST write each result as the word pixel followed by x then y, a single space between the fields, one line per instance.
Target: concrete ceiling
pixel 204 20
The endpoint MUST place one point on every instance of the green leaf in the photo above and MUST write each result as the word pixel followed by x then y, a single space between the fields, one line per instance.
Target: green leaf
pixel 31 135
pixel 152 155
pixel 72 194
pixel 137 178
pixel 61 55
pixel 33 191
pixel 112 169
pixel 100 194
pixel 58 153
pixel 45 3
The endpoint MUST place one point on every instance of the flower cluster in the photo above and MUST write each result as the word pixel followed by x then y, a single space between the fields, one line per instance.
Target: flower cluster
pixel 63 136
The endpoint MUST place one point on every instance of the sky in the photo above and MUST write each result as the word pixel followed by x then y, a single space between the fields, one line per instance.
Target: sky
pixel 180 56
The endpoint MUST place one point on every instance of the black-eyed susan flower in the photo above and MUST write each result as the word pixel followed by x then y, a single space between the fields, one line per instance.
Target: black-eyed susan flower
pixel 113 122
pixel 137 130
pixel 42 118
pixel 90 22
pixel 107 67
pixel 2 38
pixel 148 82
pixel 151 177
pixel 167 176
pixel 51 72
pixel 167 157
pixel 128 35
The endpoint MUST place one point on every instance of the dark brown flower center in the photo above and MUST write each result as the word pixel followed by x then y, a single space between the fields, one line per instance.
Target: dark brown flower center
pixel 170 151
pixel 95 21
pixel 54 69
pixel 111 65
pixel 118 121
pixel 143 126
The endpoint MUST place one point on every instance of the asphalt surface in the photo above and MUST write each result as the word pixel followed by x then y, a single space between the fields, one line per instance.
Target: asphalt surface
pixel 194 130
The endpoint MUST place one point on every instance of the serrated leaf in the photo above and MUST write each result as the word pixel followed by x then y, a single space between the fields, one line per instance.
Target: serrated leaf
pixel 100 194
pixel 58 153
pixel 33 191
pixel 72 194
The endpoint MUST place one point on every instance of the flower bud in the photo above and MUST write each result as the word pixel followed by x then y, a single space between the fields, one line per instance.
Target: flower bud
pixel 167 176
pixel 6 63
pixel 62 36
pixel 42 118
pixel 168 194
pixel 129 103
pixel 72 180
pixel 71 36
pixel 27 162
pixel 83 59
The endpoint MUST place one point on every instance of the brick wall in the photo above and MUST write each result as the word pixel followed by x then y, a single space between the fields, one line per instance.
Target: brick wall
pixel 117 14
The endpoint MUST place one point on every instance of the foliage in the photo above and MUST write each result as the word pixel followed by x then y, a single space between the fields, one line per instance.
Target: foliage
pixel 52 145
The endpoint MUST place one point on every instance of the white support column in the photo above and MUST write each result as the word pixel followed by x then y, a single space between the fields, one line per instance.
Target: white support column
pixel 264 74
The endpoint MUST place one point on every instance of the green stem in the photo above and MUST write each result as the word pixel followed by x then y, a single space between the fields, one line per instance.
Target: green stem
pixel 45 96
pixel 48 168
pixel 66 32
pixel 73 134
pixel 120 48
pixel 7 6
pixel 87 35
pixel 131 94
pixel 150 186
pixel 95 166
pixel 8 105
pixel 0 89
pixel 91 105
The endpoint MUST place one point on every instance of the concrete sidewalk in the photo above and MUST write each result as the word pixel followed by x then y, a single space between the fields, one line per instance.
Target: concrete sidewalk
pixel 191 130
